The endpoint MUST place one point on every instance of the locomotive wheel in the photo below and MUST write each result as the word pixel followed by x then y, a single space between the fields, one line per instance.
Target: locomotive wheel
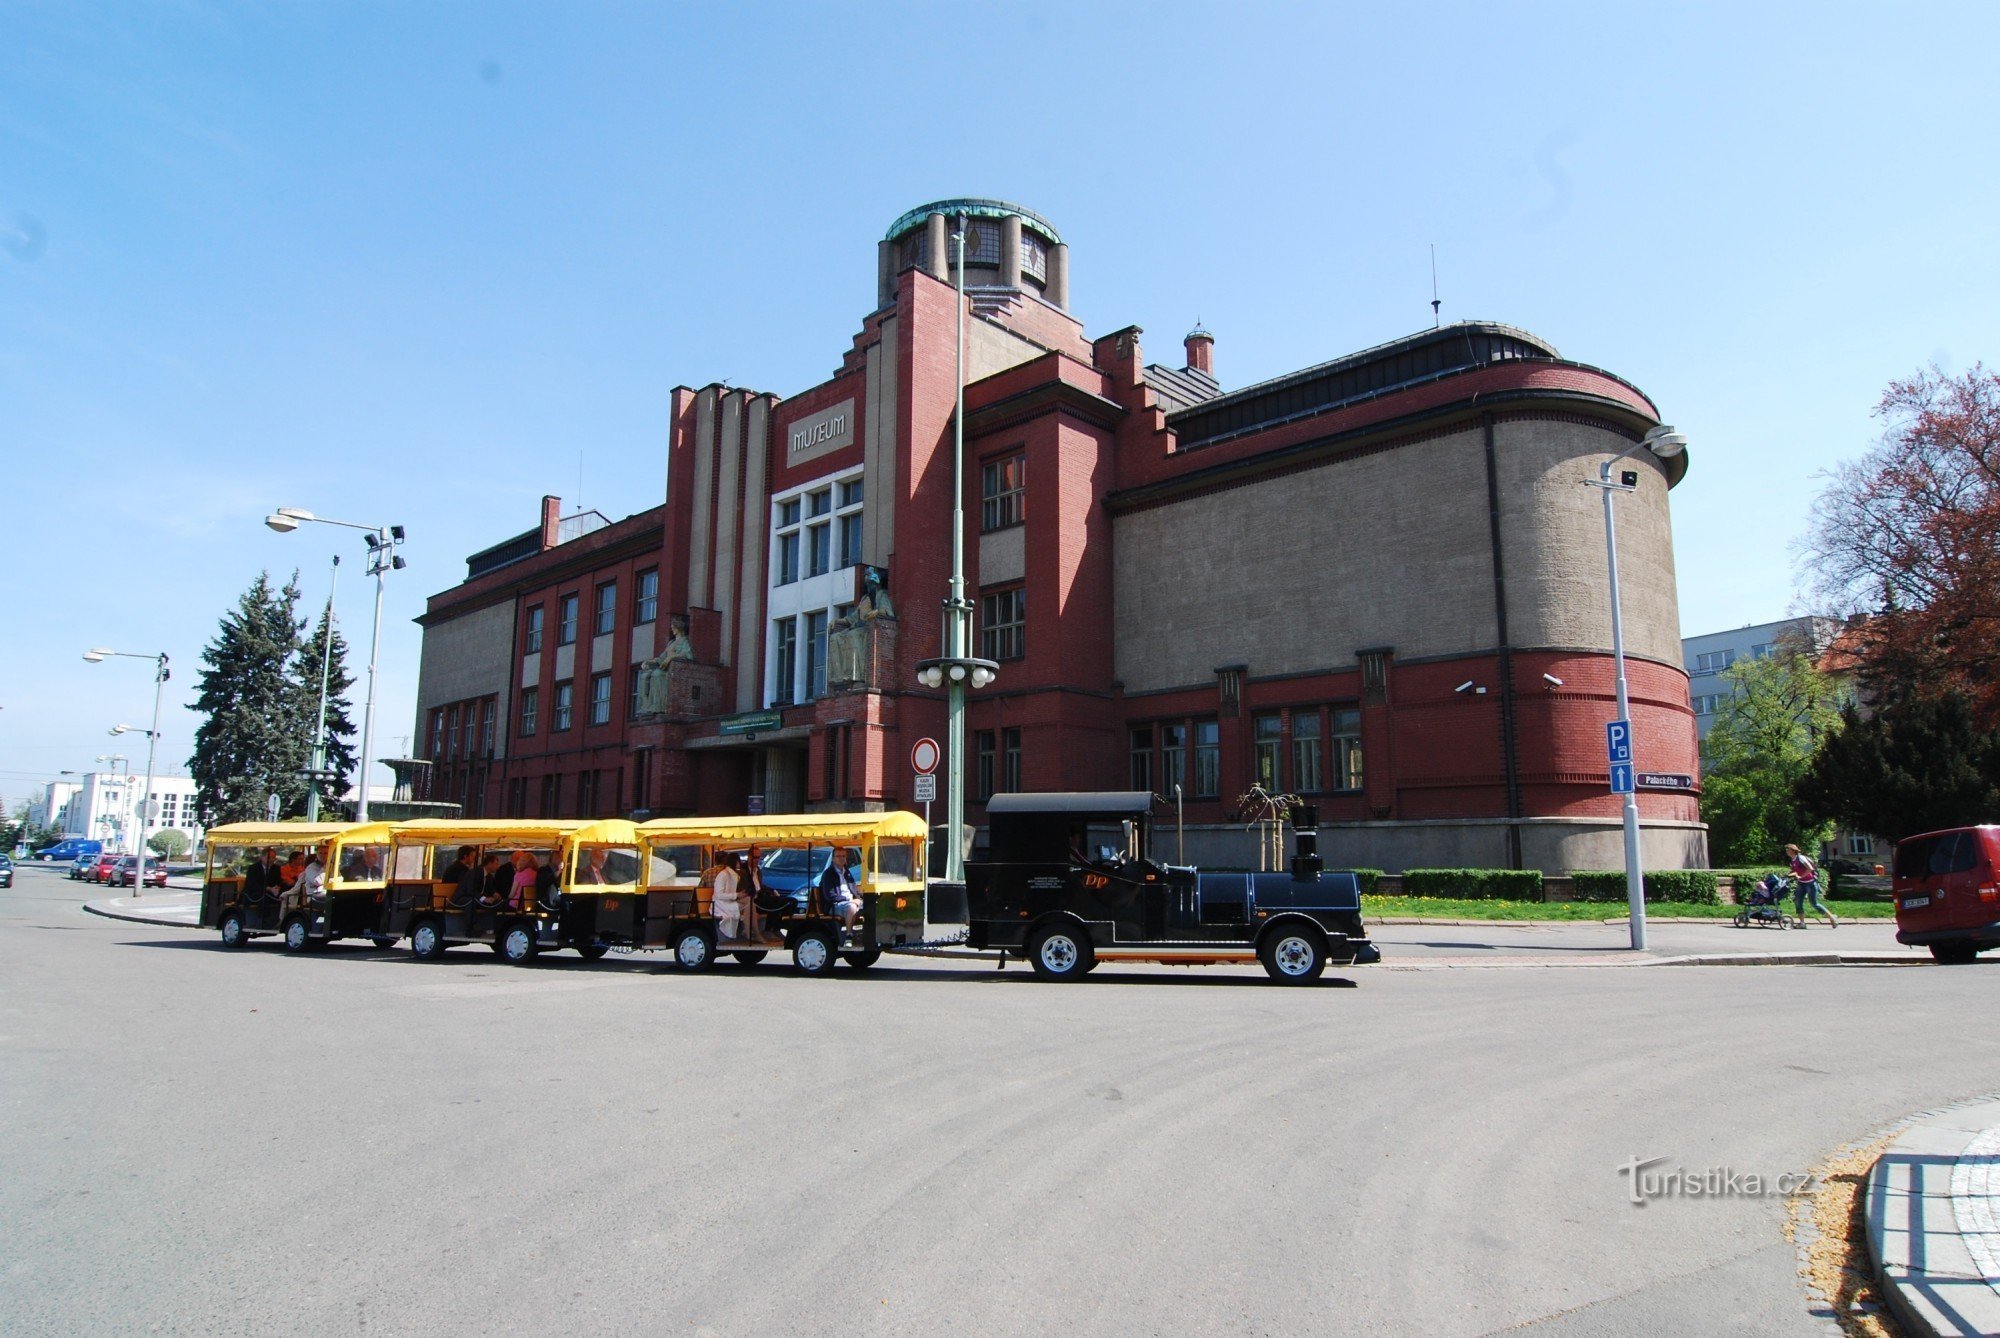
pixel 518 944
pixel 232 931
pixel 1294 955
pixel 427 942
pixel 812 953
pixel 693 951
pixel 1060 952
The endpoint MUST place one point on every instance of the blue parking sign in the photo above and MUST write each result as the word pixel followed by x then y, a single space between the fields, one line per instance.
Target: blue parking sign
pixel 1618 741
pixel 1621 778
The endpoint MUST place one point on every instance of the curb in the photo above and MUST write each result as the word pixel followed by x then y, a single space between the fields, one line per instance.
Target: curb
pixel 1792 959
pixel 140 918
pixel 1931 1205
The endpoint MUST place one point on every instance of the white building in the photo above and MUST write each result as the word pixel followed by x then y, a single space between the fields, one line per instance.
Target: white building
pixel 1706 657
pixel 51 807
pixel 102 809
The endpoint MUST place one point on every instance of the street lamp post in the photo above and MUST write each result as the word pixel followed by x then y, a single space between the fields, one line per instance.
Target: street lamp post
pixel 1665 443
pixel 97 655
pixel 957 667
pixel 383 541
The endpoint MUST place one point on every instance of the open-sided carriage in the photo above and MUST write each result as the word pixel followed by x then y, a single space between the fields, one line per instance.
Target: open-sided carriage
pixel 683 855
pixel 243 903
pixel 575 868
pixel 1053 889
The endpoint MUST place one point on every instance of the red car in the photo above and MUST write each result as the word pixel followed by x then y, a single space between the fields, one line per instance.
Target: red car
pixel 1947 888
pixel 156 872
pixel 101 869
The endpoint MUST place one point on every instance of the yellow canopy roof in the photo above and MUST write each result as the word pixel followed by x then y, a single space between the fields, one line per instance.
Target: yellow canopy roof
pixel 788 829
pixel 502 831
pixel 298 833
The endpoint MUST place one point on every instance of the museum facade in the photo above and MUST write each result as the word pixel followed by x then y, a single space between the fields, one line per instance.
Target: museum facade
pixel 1377 583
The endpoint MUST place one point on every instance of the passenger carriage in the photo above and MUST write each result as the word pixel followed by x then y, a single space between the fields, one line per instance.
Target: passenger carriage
pixel 355 879
pixel 888 858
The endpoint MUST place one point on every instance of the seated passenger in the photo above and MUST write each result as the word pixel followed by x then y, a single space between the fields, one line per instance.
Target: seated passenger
pixel 263 882
pixel 294 865
pixel 312 879
pixel 548 893
pixel 486 889
pixel 593 868
pixel 839 893
pixel 724 901
pixel 454 872
pixel 522 889
pixel 770 906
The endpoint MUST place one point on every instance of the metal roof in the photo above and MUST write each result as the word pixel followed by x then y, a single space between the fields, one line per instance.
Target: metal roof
pixel 297 833
pixel 1073 801
pixel 977 207
pixel 791 828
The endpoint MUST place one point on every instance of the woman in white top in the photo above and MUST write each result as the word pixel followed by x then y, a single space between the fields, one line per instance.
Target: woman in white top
pixel 728 905
pixel 312 882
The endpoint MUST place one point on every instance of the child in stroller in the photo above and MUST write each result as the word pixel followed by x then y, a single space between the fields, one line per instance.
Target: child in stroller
pixel 1766 905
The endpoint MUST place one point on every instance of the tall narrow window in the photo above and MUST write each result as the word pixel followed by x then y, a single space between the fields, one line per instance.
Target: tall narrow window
pixel 451 732
pixel 437 733
pixel 1308 777
pixel 1010 760
pixel 1173 758
pixel 632 694
pixel 607 607
pixel 1267 738
pixel 784 660
pixel 850 523
pixel 531 701
pixel 565 698
pixel 1346 740
pixel 1003 624
pixel 600 699
pixel 533 640
pixel 566 620
pixel 788 558
pixel 816 654
pixel 982 766
pixel 1141 774
pixel 488 711
pixel 1207 759
pixel 1002 490
pixel 647 607
pixel 819 549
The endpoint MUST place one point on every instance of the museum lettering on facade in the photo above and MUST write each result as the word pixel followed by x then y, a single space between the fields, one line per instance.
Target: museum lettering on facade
pixel 1375 583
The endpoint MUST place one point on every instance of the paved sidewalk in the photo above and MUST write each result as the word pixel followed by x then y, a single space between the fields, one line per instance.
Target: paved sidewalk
pixel 180 910
pixel 1934 1221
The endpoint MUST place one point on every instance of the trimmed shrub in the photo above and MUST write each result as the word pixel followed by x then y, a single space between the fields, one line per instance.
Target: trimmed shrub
pixel 1474 884
pixel 1367 878
pixel 1695 886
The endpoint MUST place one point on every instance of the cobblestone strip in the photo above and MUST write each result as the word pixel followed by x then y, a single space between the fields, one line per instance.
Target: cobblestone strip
pixel 1975 1199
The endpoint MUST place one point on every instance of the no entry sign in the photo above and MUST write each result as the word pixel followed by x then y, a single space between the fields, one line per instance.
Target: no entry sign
pixel 924 756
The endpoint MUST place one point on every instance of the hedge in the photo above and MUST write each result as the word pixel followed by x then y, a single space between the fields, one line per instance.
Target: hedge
pixel 1474 884
pixel 1696 886
pixel 1367 878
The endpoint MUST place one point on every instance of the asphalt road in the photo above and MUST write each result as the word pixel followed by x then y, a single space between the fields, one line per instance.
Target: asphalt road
pixel 198 1141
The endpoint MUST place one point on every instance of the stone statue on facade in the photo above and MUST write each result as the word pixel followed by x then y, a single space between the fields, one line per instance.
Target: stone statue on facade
pixel 656 674
pixel 854 640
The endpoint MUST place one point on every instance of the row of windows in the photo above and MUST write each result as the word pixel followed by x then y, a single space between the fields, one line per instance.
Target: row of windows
pixel 1709 703
pixel 805 532
pixel 563 703
pixel 591 794
pixel 1303 750
pixel 464 729
pixel 604 609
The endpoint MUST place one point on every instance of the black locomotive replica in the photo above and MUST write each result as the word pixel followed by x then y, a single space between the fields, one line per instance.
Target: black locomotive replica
pixel 1052 890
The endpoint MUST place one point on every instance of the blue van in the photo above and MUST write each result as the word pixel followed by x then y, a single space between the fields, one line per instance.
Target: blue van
pixel 74 848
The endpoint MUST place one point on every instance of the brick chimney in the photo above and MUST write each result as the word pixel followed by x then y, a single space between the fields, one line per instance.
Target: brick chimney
pixel 1201 351
pixel 551 522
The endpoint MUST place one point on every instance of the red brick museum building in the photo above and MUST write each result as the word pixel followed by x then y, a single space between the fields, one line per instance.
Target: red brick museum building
pixel 1377 582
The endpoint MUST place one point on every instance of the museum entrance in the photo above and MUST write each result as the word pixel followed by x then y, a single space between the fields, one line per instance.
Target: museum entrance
pixel 778 778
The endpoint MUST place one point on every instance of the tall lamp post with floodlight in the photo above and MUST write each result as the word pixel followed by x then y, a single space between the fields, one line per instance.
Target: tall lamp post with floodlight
pixel 957 668
pixel 1664 443
pixel 97 655
pixel 383 540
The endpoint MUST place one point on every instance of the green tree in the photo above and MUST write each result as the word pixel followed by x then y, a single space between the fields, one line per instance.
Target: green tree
pixel 1759 750
pixel 340 754
pixel 1917 764
pixel 170 843
pixel 254 743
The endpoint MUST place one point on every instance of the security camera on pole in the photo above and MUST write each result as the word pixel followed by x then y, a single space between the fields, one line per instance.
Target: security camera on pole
pixel 383 541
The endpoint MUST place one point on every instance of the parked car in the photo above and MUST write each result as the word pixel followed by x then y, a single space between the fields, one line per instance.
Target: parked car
pixel 84 864
pixel 793 871
pixel 6 871
pixel 121 873
pixel 70 848
pixel 1947 890
pixel 100 869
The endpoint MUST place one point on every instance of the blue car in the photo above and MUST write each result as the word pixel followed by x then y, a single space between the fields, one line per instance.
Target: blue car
pixel 794 871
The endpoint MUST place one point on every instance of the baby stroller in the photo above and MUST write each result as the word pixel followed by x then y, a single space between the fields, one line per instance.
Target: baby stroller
pixel 1767 904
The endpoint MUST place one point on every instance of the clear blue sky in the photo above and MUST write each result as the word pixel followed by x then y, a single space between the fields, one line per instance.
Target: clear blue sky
pixel 412 262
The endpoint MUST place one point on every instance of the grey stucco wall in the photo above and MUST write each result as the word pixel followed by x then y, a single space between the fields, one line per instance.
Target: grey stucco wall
pixel 468 656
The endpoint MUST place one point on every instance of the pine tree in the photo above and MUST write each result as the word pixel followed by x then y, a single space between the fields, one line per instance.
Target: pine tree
pixel 1917 764
pixel 254 743
pixel 340 754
